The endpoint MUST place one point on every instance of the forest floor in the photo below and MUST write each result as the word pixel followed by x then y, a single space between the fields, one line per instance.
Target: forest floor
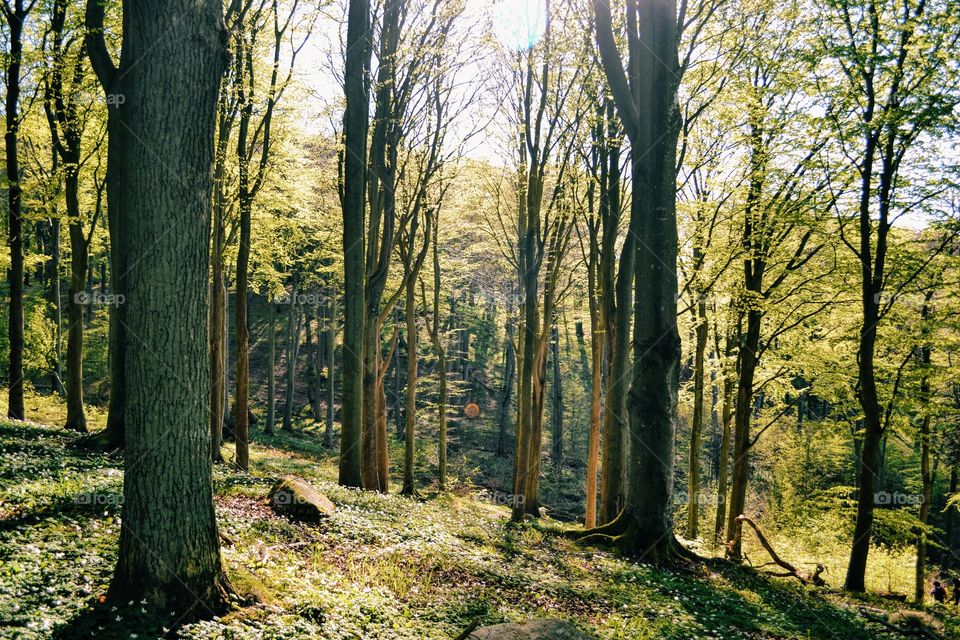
pixel 384 567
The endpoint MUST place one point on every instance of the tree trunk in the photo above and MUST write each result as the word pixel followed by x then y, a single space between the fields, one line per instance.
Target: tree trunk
pixel 370 437
pixel 724 464
pixel 646 103
pixel 596 398
pixel 442 419
pixel 218 313
pixel 557 400
pixel 319 356
pixel 241 402
pixel 509 373
pixel 355 123
pixel 747 367
pixel 696 430
pixel 76 420
pixel 410 425
pixel 293 347
pixel 271 366
pixel 15 20
pixel 111 83
pixel 331 338
pixel 169 547
pixel 926 475
pixel 56 306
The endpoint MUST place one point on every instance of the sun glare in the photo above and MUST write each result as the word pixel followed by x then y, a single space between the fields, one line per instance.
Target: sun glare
pixel 519 24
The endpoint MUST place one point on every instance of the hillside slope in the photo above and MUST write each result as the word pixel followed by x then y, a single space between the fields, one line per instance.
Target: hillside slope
pixel 384 567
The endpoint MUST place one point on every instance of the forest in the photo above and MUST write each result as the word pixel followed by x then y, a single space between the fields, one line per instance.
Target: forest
pixel 480 319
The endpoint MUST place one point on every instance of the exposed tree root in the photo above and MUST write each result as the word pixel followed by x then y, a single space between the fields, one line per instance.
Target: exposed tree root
pixel 790 571
pixel 623 535
pixel 103 441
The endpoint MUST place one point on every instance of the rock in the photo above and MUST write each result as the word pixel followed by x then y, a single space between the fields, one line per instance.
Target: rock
pixel 543 629
pixel 295 497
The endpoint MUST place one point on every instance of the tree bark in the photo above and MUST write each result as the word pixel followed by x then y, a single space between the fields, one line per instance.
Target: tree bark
pixel 509 373
pixel 15 17
pixel 926 474
pixel 410 424
pixel 355 123
pixel 646 103
pixel 331 339
pixel 293 347
pixel 696 428
pixel 112 84
pixel 271 366
pixel 723 467
pixel 169 547
pixel 556 452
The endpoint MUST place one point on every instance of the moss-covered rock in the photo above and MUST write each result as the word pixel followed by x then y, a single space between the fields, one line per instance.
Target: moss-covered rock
pixel 296 498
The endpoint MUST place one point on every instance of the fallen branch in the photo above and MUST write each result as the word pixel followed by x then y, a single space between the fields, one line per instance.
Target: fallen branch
pixel 466 632
pixel 790 570
pixel 918 631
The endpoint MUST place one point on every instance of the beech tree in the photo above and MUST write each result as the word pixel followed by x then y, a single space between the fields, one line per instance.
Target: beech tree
pixel 169 548
pixel 885 105
pixel 15 14
pixel 353 201
pixel 645 98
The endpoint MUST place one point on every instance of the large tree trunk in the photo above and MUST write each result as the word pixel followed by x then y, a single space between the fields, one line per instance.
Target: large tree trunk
pixel 169 548
pixel 355 123
pixel 15 20
pixel 646 103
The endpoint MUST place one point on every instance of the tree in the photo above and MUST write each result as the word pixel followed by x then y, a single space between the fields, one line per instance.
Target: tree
pixel 882 68
pixel 110 81
pixel 251 143
pixel 353 190
pixel 67 123
pixel 169 548
pixel 645 100
pixel 15 15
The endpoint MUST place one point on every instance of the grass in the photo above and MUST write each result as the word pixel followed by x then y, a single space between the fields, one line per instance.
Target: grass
pixel 385 567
